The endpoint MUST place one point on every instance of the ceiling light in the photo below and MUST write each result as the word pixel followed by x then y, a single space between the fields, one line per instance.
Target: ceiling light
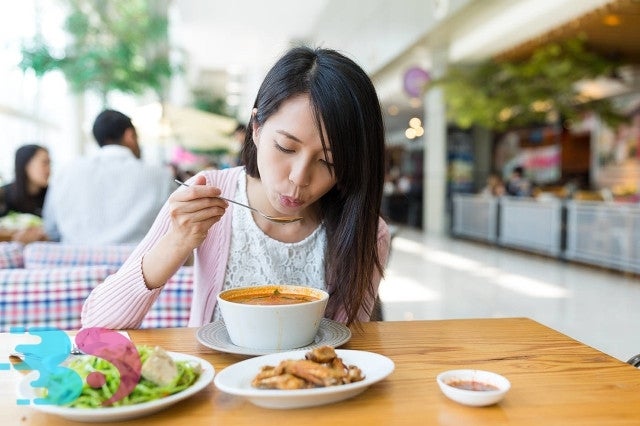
pixel 541 106
pixel 611 20
pixel 600 87
pixel 410 133
pixel 415 102
pixel 415 122
pixel 505 114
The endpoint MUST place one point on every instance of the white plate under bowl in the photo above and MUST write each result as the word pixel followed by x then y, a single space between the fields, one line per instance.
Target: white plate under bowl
pixel 215 336
pixel 475 398
pixel 236 380
pixel 112 414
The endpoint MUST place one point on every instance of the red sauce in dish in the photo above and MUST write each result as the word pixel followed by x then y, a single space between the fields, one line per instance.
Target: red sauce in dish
pixel 472 385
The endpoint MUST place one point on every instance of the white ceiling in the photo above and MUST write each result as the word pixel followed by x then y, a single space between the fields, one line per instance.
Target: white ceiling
pixel 241 33
pixel 245 37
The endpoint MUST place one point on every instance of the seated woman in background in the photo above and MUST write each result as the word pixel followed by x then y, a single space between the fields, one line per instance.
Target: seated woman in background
pixel 495 187
pixel 26 193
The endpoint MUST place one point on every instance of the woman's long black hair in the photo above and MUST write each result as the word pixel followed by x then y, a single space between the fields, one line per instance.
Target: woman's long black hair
pixel 345 101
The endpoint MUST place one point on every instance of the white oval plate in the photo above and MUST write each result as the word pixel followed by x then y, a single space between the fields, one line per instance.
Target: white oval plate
pixel 112 414
pixel 236 380
pixel 215 336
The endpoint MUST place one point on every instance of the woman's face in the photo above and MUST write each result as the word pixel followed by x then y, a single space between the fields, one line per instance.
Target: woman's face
pixel 39 168
pixel 292 164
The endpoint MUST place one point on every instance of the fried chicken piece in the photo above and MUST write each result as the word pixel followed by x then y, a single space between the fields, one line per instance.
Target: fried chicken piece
pixel 322 354
pixel 280 381
pixel 318 374
pixel 354 374
pixel 266 372
pixel 321 367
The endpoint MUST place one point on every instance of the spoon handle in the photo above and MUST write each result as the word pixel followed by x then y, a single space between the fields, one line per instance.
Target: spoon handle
pixel 179 182
pixel 283 219
pixel 240 204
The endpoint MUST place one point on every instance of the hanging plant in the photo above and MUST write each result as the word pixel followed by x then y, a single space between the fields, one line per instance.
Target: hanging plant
pixel 541 89
pixel 117 45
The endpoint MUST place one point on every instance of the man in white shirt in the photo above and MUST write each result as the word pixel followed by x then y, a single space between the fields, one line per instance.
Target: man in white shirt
pixel 110 197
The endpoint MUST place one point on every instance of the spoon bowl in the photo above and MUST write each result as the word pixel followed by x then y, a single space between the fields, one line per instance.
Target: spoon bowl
pixel 276 219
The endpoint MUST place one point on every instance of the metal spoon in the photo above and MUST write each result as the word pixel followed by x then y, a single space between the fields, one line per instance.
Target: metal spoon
pixel 276 219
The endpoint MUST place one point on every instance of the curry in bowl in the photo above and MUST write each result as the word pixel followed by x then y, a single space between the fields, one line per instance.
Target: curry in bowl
pixel 274 316
pixel 269 297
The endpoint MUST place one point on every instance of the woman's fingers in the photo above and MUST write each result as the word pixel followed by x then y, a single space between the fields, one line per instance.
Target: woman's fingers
pixel 196 208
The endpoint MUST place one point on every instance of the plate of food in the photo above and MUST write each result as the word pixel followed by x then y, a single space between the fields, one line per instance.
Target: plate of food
pixel 304 378
pixel 215 336
pixel 156 389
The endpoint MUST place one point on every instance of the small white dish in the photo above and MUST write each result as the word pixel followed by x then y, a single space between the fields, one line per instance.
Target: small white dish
pixel 127 412
pixel 215 336
pixel 236 380
pixel 476 379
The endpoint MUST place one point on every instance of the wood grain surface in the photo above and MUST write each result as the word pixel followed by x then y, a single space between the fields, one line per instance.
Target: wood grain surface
pixel 555 380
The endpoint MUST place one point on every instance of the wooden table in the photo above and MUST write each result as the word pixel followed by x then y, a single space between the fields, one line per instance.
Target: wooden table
pixel 555 380
pixel 6 235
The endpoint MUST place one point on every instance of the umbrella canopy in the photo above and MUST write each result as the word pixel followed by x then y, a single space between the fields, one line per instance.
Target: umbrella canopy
pixel 188 127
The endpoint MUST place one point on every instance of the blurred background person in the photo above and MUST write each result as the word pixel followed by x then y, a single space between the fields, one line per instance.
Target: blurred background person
pixel 110 197
pixel 238 135
pixel 26 193
pixel 518 185
pixel 494 187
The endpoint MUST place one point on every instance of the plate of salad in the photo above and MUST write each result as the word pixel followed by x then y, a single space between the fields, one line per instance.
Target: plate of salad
pixel 155 390
pixel 15 221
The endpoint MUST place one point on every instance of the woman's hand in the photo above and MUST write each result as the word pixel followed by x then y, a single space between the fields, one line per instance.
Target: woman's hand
pixel 30 235
pixel 193 210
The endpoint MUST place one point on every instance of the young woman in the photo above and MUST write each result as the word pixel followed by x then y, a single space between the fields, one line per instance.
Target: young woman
pixel 26 193
pixel 314 148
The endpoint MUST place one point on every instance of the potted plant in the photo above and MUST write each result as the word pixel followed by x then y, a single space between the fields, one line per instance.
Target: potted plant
pixel 114 46
pixel 500 95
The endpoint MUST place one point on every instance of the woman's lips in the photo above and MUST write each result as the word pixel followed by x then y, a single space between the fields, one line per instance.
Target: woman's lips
pixel 290 201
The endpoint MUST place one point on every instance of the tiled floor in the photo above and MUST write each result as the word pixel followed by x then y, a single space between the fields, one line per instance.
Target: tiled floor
pixel 440 278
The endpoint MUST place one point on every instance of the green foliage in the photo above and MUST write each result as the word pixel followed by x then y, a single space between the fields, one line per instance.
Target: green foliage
pixel 210 103
pixel 501 95
pixel 115 45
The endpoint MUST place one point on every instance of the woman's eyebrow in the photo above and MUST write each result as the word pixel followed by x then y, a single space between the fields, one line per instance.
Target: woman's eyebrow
pixel 290 136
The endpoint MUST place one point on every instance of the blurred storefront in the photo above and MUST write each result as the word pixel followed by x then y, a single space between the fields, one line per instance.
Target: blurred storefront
pixel 585 155
pixel 404 45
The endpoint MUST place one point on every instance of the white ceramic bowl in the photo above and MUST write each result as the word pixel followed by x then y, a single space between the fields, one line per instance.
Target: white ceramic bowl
pixel 476 378
pixel 272 327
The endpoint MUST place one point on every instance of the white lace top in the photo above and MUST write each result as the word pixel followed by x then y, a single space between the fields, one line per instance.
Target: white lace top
pixel 255 258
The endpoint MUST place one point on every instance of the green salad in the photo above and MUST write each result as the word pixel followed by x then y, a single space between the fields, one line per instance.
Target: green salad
pixel 15 221
pixel 183 375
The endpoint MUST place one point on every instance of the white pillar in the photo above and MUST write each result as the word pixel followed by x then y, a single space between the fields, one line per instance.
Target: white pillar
pixel 435 153
pixel 79 138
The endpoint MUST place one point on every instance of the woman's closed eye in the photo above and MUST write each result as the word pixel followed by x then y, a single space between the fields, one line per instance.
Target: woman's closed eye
pixel 326 162
pixel 283 149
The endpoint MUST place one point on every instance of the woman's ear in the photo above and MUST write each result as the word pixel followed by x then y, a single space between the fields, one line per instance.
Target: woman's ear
pixel 254 126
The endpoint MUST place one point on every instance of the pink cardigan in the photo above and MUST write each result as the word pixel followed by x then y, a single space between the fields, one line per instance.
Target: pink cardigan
pixel 123 300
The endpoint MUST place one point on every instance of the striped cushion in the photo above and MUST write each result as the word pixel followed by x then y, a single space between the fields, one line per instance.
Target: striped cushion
pixel 47 297
pixel 172 307
pixel 11 255
pixel 48 255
